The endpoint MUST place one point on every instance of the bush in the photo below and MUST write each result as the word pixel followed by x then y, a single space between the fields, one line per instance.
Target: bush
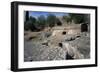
pixel 51 20
pixel 79 18
pixel 67 18
pixel 30 24
pixel 58 22
pixel 41 22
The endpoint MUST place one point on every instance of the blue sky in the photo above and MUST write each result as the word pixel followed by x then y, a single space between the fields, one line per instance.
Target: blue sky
pixel 37 13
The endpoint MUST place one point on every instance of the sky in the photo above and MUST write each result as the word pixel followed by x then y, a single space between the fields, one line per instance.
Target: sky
pixel 38 13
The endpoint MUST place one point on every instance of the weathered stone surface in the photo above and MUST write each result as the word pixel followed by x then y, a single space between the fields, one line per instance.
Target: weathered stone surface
pixel 83 45
pixel 76 46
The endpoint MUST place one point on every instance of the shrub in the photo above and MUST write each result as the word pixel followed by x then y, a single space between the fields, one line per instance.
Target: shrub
pixel 51 20
pixel 30 24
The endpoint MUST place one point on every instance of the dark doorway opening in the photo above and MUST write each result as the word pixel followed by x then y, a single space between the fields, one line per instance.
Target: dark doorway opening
pixel 64 32
pixel 84 27
pixel 60 44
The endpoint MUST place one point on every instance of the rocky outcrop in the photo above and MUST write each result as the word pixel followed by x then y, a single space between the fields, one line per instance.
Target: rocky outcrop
pixel 48 47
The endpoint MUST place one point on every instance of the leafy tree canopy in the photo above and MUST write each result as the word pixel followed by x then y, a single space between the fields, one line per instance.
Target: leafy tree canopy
pixel 51 20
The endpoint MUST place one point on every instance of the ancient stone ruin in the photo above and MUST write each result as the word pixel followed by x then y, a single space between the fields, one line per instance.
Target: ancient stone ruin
pixel 59 43
pixel 84 27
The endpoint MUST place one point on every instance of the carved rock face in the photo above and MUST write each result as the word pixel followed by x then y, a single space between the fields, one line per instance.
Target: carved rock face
pixel 74 31
pixel 64 33
pixel 72 52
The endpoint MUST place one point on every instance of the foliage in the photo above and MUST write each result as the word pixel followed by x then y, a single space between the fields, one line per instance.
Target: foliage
pixel 77 18
pixel 33 19
pixel 30 24
pixel 67 18
pixel 41 22
pixel 51 20
pixel 58 22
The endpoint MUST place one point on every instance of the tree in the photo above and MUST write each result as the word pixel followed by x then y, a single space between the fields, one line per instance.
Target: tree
pixel 51 20
pixel 26 15
pixel 67 18
pixel 41 21
pixel 79 18
pixel 58 22
pixel 30 24
pixel 33 19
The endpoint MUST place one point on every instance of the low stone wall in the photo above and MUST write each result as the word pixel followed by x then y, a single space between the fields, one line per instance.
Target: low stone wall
pixel 66 31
